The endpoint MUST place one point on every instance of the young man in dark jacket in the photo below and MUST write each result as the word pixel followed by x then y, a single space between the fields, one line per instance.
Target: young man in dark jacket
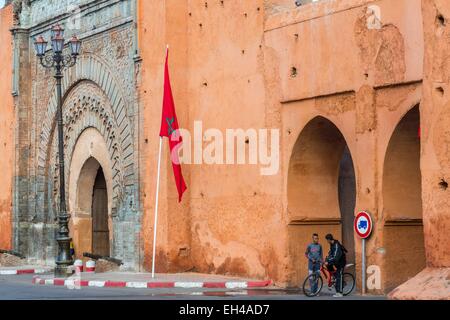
pixel 336 262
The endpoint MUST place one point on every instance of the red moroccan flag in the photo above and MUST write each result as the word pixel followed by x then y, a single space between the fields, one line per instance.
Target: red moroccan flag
pixel 169 129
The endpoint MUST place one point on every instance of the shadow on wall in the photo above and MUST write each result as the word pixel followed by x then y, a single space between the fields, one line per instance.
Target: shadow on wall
pixel 402 198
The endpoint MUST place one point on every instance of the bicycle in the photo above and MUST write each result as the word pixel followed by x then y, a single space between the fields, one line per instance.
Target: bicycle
pixel 315 281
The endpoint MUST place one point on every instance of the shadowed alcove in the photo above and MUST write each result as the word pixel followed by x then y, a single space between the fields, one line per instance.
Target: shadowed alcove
pixel 402 203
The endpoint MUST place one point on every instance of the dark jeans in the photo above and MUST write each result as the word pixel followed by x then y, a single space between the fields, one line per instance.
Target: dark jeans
pixel 338 277
pixel 314 268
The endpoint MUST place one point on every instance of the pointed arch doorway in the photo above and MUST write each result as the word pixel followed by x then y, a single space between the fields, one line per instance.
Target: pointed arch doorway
pixel 92 209
pixel 321 192
pixel 403 236
pixel 90 195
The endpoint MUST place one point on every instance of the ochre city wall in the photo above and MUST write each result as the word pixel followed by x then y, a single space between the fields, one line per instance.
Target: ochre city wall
pixel 363 80
pixel 432 283
pixel 436 134
pixel 6 128
pixel 332 84
pixel 162 23
pixel 333 80
pixel 268 65
pixel 216 66
pixel 236 213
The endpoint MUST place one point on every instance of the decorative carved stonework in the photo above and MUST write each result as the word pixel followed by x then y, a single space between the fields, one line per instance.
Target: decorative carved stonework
pixel 17 10
pixel 99 92
pixel 87 106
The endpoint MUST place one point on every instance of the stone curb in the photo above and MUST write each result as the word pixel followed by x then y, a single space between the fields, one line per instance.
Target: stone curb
pixel 14 272
pixel 151 285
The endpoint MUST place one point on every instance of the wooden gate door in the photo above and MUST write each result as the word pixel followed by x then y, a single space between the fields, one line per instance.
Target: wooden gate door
pixel 100 230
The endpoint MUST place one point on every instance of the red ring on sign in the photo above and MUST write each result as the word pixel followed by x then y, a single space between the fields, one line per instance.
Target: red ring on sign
pixel 369 227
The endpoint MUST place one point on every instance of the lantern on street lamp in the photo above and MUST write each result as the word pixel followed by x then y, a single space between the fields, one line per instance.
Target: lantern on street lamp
pixel 57 30
pixel 40 46
pixel 57 38
pixel 75 46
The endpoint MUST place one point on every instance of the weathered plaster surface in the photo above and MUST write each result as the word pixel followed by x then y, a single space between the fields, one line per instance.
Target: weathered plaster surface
pixel 222 57
pixel 318 73
pixel 6 128
pixel 435 150
pixel 293 65
pixel 430 284
pixel 345 73
pixel 382 51
pixel 433 282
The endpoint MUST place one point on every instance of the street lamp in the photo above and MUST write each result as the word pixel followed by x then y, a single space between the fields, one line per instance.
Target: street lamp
pixel 59 61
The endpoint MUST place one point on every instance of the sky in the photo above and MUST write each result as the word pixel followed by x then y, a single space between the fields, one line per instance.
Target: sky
pixel 2 3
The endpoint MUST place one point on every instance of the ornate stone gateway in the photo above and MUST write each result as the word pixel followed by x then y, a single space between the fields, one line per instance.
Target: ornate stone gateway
pixel 100 133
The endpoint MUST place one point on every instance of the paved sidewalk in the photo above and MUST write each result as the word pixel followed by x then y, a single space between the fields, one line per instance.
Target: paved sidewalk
pixel 144 280
pixel 10 271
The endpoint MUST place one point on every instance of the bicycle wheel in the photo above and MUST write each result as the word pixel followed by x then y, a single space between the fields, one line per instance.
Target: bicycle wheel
pixel 348 284
pixel 312 285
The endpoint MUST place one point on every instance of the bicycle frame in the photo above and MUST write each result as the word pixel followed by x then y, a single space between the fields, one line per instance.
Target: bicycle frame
pixel 329 275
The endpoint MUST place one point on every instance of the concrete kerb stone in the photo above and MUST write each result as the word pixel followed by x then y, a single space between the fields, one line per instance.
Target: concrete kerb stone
pixel 11 271
pixel 70 283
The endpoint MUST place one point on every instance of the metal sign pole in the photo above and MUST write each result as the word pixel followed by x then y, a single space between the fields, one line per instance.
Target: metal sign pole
pixel 363 263
pixel 363 227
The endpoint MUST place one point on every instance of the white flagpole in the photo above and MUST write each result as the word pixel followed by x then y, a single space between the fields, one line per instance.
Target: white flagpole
pixel 156 206
pixel 155 227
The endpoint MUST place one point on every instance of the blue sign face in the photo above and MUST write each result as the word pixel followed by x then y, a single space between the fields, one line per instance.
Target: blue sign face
pixel 363 225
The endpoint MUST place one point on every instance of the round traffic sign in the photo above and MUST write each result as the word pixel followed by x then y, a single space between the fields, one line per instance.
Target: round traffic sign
pixel 363 224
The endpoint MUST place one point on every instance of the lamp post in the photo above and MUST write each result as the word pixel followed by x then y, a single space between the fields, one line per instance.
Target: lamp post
pixel 59 61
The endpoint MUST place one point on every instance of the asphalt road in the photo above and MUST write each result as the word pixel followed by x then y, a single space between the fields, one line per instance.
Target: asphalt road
pixel 21 288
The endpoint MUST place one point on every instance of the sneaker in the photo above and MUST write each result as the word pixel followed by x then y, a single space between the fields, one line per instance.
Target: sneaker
pixel 338 295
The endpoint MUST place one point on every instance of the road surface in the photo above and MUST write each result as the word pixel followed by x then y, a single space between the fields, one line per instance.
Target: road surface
pixel 21 288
